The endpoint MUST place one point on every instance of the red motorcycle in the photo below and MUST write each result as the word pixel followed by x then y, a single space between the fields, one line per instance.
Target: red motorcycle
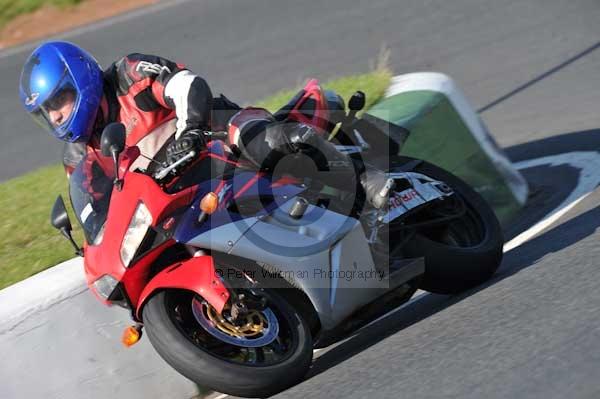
pixel 237 274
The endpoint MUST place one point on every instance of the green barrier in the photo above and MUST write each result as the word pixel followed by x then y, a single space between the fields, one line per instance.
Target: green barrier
pixel 445 131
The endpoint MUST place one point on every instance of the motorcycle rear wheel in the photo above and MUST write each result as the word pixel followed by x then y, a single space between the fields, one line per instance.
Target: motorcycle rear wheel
pixel 464 252
pixel 189 348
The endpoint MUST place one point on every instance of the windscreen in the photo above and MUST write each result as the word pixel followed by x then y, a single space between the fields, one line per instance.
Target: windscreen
pixel 90 188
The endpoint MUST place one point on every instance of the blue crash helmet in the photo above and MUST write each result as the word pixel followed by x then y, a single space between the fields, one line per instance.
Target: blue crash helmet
pixel 56 71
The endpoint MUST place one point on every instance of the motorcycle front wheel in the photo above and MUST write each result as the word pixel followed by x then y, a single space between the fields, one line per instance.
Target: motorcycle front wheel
pixel 268 352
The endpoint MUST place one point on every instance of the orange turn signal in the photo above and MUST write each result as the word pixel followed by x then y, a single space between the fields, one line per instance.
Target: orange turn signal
pixel 131 336
pixel 209 203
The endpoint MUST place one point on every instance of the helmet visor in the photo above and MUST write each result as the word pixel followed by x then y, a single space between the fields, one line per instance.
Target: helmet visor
pixel 56 112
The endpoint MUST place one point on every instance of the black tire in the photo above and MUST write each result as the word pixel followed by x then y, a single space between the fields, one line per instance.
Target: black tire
pixel 219 374
pixel 450 269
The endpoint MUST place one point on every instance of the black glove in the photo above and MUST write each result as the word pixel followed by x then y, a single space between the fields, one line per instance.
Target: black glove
pixel 191 140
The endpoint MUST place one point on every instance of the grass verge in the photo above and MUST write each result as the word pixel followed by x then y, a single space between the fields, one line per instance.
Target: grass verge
pixel 29 244
pixel 10 9
pixel 373 84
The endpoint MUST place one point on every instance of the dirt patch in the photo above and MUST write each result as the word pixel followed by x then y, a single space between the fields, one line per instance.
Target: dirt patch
pixel 50 20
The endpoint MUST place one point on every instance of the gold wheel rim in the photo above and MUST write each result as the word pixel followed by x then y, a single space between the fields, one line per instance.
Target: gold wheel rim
pixel 253 326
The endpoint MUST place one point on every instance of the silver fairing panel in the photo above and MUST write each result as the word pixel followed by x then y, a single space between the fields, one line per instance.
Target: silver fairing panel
pixel 324 253
pixel 224 237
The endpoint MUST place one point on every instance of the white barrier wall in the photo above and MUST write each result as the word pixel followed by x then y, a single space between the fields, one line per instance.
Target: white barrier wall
pixel 58 341
pixel 446 130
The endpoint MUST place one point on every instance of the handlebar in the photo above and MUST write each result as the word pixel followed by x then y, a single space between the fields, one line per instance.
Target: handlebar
pixel 162 173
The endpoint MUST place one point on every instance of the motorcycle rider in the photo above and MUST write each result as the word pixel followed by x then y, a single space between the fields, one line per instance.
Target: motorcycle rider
pixel 65 91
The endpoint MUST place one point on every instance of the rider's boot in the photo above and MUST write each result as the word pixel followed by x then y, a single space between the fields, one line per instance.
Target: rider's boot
pixel 375 183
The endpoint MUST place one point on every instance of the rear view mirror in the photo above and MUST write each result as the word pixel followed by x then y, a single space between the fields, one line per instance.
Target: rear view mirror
pixel 60 220
pixel 113 139
pixel 59 217
pixel 112 144
pixel 357 101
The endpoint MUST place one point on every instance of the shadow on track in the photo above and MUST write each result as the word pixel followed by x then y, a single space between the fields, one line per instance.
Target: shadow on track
pixel 549 185
pixel 585 140
pixel 522 257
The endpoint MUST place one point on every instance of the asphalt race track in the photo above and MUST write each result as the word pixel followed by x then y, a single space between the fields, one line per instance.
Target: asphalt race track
pixel 531 67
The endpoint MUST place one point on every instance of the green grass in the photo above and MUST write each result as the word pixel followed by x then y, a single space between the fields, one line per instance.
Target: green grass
pixel 373 84
pixel 10 9
pixel 29 244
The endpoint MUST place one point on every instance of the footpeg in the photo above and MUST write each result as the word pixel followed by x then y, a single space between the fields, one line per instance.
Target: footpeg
pixel 381 199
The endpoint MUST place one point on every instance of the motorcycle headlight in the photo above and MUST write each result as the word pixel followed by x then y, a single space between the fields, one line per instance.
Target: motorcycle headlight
pixel 105 286
pixel 140 222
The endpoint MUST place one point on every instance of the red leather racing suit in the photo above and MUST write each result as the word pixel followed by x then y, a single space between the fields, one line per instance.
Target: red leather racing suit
pixel 154 98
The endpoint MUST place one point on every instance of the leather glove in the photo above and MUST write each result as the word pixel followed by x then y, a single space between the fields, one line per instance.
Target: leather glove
pixel 191 140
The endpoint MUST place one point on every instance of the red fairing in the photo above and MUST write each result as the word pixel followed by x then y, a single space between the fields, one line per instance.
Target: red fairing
pixel 321 114
pixel 197 275
pixel 105 258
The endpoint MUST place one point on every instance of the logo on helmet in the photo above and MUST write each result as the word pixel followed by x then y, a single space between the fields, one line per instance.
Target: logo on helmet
pixel 32 98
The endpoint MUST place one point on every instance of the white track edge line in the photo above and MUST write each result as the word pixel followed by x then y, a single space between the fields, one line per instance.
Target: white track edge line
pixel 542 225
